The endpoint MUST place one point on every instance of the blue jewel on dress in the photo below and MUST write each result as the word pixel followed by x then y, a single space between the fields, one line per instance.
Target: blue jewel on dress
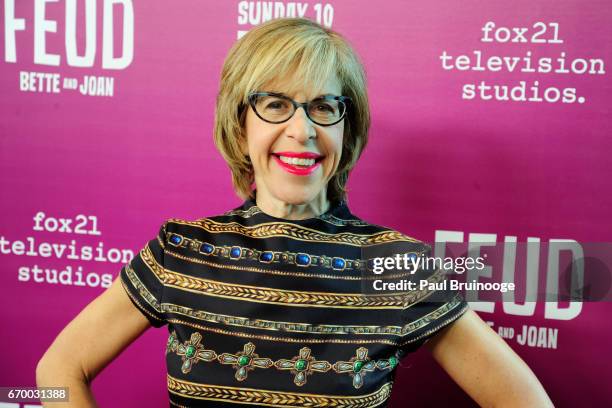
pixel 235 252
pixel 206 248
pixel 302 259
pixel 338 263
pixel 266 256
pixel 176 239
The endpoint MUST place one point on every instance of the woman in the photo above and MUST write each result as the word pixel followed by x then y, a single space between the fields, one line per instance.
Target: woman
pixel 264 303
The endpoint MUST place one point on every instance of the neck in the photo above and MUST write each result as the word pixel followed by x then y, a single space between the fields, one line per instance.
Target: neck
pixel 281 209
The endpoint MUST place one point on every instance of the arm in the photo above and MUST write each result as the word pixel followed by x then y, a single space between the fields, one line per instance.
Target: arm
pixel 88 343
pixel 484 366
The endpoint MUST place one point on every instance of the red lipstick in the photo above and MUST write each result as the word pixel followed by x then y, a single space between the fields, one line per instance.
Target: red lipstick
pixel 302 155
pixel 298 170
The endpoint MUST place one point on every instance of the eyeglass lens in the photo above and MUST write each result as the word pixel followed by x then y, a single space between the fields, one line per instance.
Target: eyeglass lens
pixel 278 109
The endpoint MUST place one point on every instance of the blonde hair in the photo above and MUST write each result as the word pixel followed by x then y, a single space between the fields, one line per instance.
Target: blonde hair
pixel 309 53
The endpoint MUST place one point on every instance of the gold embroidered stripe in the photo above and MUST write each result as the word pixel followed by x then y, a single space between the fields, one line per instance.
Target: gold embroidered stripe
pixel 141 288
pixel 297 327
pixel 451 305
pixel 340 222
pixel 255 396
pixel 281 229
pixel 404 331
pixel 138 303
pixel 258 294
pixel 244 213
pixel 285 339
pixel 292 298
pixel 289 298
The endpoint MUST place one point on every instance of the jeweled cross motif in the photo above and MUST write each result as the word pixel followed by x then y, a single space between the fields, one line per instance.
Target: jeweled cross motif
pixel 357 367
pixel 302 366
pixel 192 351
pixel 245 361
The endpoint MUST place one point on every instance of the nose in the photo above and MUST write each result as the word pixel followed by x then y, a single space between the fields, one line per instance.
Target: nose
pixel 300 127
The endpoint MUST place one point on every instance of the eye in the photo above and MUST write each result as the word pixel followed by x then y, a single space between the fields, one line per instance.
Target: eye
pixel 324 107
pixel 275 104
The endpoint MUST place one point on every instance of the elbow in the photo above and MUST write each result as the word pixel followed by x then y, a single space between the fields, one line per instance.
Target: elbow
pixel 43 372
pixel 47 369
pixel 54 370
pixel 531 397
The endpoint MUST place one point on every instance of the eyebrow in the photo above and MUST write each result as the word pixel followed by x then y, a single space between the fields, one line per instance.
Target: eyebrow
pixel 316 97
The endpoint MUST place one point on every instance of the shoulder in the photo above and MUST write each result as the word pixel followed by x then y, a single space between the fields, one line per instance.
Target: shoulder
pixel 228 216
pixel 382 236
pixel 176 230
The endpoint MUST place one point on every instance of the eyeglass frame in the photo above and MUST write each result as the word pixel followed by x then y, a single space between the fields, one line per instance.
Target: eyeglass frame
pixel 344 99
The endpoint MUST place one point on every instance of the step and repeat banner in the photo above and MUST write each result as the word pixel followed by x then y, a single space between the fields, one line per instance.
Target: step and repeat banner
pixel 491 123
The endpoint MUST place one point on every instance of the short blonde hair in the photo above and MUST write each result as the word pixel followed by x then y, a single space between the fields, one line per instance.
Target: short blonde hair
pixel 309 53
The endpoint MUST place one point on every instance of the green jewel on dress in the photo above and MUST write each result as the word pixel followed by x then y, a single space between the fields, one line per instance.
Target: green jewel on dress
pixel 302 366
pixel 357 367
pixel 173 343
pixel 245 361
pixel 390 364
pixel 192 351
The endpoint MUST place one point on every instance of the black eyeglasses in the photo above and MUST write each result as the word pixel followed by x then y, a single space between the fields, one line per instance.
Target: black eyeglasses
pixel 273 107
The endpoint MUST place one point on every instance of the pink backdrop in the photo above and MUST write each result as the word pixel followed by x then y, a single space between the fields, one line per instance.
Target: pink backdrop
pixel 438 160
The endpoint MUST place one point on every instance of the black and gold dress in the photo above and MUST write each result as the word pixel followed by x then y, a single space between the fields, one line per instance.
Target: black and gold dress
pixel 272 312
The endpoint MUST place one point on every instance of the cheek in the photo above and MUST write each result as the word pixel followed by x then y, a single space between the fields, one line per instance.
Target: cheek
pixel 334 148
pixel 338 140
pixel 257 141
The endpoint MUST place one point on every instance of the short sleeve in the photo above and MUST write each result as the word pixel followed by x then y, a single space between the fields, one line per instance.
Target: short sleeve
pixel 143 279
pixel 434 308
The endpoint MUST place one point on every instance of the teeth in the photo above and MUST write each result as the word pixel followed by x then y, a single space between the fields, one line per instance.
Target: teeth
pixel 297 161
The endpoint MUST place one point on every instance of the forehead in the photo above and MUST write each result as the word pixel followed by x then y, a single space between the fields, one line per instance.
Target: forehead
pixel 299 88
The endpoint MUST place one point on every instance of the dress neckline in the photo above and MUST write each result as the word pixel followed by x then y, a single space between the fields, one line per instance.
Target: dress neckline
pixel 337 209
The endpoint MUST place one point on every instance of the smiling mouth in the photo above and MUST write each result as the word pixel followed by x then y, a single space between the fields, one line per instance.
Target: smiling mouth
pixel 298 161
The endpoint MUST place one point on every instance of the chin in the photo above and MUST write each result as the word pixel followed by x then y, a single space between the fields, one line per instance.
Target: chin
pixel 296 195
